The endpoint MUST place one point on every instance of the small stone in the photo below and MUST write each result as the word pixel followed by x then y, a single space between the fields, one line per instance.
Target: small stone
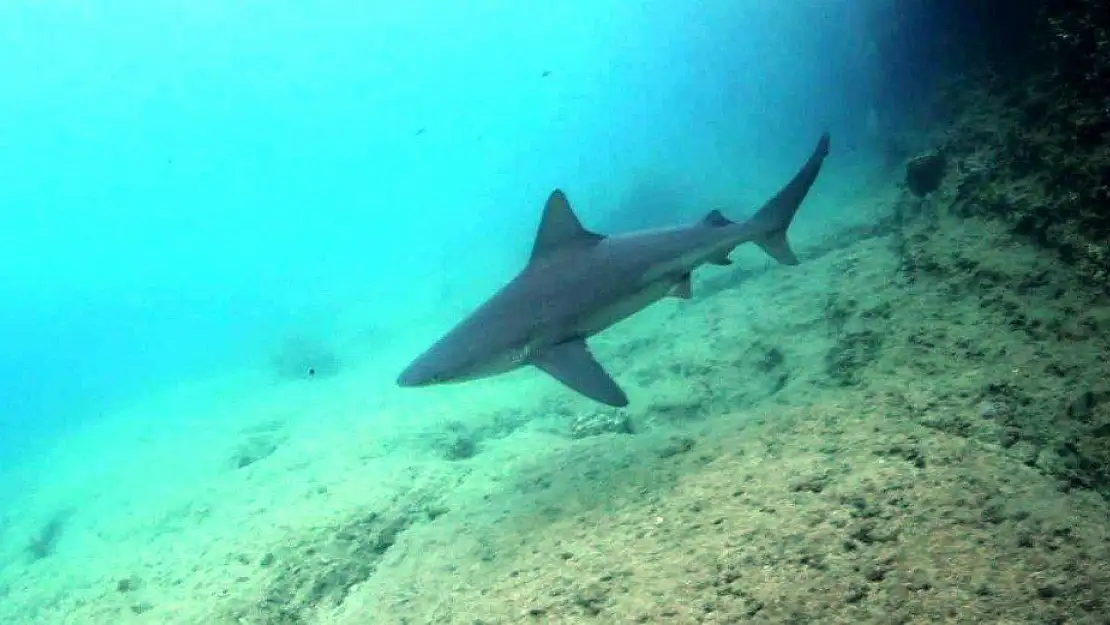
pixel 434 511
pixel 142 608
pixel 918 581
pixel 876 573
pixel 1025 539
pixel 989 409
pixel 676 445
pixel 1047 591
pixel 456 444
pixel 601 422
pixel 856 593
pixel 811 484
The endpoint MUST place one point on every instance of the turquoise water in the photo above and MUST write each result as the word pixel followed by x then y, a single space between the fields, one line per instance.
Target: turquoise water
pixel 181 183
pixel 202 196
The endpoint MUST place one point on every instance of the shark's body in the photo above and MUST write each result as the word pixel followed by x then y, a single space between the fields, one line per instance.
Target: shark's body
pixel 579 283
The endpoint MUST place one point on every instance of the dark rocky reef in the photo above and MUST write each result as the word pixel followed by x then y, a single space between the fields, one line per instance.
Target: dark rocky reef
pixel 1033 149
pixel 1025 129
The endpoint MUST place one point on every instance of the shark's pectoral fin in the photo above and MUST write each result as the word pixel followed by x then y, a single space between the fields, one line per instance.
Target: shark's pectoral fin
pixel 572 364
pixel 683 289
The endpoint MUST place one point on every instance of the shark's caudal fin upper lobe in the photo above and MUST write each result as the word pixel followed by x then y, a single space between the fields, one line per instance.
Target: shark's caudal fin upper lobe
pixel 773 220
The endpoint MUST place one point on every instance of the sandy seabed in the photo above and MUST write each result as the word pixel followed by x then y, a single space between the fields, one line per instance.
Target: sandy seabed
pixel 912 426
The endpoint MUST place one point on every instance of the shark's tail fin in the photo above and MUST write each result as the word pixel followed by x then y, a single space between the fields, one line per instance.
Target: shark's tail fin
pixel 772 221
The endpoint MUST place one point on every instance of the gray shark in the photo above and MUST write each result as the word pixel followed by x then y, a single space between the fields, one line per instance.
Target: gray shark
pixel 578 283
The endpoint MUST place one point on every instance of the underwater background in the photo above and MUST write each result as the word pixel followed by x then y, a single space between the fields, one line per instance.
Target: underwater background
pixel 225 228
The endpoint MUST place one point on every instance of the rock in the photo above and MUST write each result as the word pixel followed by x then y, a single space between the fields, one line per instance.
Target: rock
pixel 676 445
pixel 455 441
pixel 603 422
pixel 142 607
pixel 457 446
pixel 253 449
pixel 924 173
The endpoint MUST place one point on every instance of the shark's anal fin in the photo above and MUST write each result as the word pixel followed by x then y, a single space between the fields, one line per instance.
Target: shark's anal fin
pixel 560 228
pixel 572 364
pixel 682 289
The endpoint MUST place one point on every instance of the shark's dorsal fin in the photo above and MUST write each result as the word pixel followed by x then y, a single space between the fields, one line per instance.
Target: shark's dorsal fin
pixel 560 228
pixel 572 364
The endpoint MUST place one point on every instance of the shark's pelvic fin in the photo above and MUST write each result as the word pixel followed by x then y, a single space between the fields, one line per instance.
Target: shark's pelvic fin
pixel 774 218
pixel 560 228
pixel 572 364
pixel 683 289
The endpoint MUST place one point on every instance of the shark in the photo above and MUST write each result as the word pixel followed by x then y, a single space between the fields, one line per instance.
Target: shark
pixel 578 283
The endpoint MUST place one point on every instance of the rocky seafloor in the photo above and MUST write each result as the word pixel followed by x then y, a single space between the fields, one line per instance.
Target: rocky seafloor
pixel 943 459
pixel 923 437
pixel 912 426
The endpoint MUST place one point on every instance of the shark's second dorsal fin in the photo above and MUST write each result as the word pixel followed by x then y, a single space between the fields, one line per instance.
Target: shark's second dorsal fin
pixel 715 219
pixel 560 228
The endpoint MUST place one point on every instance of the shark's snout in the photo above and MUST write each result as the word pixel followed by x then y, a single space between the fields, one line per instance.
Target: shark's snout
pixel 435 366
pixel 450 360
pixel 416 374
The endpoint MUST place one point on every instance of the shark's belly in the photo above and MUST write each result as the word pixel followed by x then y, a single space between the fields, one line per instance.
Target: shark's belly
pixel 619 309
